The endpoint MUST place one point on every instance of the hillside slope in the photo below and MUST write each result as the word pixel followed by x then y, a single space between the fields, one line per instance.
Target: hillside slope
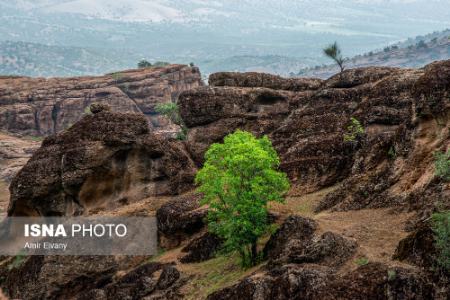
pixel 355 224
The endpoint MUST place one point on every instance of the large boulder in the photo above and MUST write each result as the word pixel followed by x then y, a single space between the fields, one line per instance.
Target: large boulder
pixel 330 249
pixel 283 283
pixel 103 161
pixel 213 112
pixel 294 230
pixel 201 248
pixel 179 219
pixel 418 248
pixel 56 277
pixel 378 281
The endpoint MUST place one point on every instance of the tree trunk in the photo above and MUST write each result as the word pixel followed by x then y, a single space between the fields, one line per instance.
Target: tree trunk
pixel 254 253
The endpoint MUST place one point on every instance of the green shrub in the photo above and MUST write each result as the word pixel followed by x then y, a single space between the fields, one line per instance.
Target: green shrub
pixel 238 179
pixel 362 261
pixel 392 274
pixel 442 165
pixel 17 261
pixel 144 64
pixel 441 229
pixel 392 154
pixel 171 111
pixel 161 64
pixel 354 130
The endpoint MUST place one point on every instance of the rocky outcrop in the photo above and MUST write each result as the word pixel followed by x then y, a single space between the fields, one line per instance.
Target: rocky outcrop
pixel 330 250
pixel 103 161
pixel 418 248
pixel 201 248
pixel 14 153
pixel 40 106
pixel 90 277
pixel 404 113
pixel 378 281
pixel 286 282
pixel 310 281
pixel 294 230
pixel 179 219
pixel 213 112
pixel 253 79
pixel 24 280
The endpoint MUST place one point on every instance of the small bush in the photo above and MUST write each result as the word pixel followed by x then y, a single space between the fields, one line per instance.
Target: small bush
pixel 392 154
pixel 144 64
pixel 171 111
pixel 392 275
pixel 354 130
pixel 362 261
pixel 442 165
pixel 17 261
pixel 441 229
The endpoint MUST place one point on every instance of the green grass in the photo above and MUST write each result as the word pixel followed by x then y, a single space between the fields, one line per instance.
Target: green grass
pixel 214 274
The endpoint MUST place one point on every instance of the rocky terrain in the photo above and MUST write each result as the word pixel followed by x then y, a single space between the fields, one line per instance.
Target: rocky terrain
pixel 32 108
pixel 40 106
pixel 355 224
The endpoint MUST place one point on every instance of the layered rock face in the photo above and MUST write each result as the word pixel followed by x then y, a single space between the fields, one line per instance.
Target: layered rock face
pixel 105 160
pixel 39 106
pixel 404 122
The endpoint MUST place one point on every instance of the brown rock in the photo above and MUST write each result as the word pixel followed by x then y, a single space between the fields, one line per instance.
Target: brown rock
pixel 103 161
pixel 330 250
pixel 378 281
pixel 418 248
pixel 294 228
pixel 283 283
pixel 201 248
pixel 39 106
pixel 253 79
pixel 57 277
pixel 179 219
pixel 213 112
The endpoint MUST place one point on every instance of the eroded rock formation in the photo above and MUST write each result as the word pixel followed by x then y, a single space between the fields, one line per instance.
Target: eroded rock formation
pixel 39 106
pixel 405 122
pixel 105 160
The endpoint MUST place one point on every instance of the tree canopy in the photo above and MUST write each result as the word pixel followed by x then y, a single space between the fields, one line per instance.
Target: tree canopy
pixel 239 177
pixel 334 52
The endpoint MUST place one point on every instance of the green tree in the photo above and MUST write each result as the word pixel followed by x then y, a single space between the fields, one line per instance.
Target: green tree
pixel 144 64
pixel 171 111
pixel 334 52
pixel 238 179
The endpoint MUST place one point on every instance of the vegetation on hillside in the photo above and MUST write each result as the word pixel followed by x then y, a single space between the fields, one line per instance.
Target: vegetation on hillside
pixel 354 130
pixel 441 229
pixel 238 180
pixel 334 52
pixel 171 111
pixel 442 165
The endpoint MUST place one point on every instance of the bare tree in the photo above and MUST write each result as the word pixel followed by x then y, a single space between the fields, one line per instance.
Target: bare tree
pixel 333 51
